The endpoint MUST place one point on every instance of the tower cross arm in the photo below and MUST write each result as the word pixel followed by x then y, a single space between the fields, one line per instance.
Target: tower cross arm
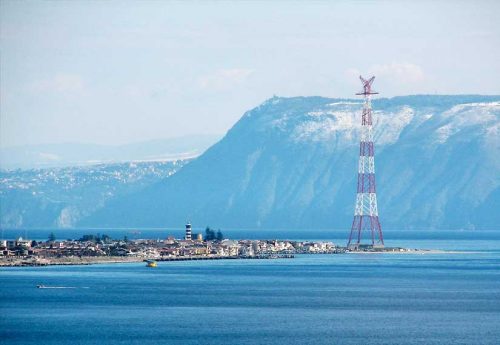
pixel 367 86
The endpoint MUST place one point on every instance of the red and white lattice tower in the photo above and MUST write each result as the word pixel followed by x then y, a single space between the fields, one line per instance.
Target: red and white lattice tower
pixel 366 212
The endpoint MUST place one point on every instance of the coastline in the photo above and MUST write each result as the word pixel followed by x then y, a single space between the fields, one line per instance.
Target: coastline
pixel 413 252
pixel 69 261
pixel 89 260
pixel 76 261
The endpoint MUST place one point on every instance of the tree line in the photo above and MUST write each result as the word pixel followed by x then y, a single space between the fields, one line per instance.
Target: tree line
pixel 211 235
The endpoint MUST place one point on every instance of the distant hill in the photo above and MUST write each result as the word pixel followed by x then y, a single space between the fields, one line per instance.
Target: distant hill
pixel 61 197
pixel 74 154
pixel 292 162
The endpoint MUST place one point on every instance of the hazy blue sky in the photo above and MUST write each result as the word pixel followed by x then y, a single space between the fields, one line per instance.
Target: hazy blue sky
pixel 115 72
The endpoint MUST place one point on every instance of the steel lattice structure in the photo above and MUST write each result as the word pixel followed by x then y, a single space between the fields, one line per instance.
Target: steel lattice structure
pixel 365 211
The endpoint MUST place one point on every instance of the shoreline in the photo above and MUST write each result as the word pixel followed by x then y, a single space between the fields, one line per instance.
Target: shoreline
pixel 68 261
pixel 83 261
pixel 79 261
pixel 413 251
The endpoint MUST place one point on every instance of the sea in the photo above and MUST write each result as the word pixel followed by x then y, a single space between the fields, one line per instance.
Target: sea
pixel 446 298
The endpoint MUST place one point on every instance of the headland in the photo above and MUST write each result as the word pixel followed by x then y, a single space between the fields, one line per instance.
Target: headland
pixel 104 250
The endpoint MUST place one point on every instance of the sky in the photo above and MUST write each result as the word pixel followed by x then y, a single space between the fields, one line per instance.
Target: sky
pixel 116 72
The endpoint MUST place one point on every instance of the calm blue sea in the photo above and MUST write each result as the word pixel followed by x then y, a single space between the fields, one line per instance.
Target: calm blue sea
pixel 312 299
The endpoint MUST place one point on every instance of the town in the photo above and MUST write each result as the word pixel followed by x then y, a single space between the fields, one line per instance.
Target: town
pixel 101 249
pixel 92 249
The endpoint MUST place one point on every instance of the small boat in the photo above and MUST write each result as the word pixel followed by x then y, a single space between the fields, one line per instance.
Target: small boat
pixel 40 286
pixel 151 263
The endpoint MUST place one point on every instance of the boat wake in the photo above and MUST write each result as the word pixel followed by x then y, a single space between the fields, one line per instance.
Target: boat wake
pixel 61 287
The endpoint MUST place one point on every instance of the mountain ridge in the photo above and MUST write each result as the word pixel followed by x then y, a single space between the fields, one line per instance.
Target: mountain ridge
pixel 291 162
pixel 60 197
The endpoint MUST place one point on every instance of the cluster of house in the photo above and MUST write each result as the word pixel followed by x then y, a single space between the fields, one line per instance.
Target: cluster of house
pixel 17 247
pixel 152 249
pixel 22 248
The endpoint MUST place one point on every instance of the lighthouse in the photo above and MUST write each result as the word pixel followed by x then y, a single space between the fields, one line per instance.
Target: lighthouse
pixel 187 237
